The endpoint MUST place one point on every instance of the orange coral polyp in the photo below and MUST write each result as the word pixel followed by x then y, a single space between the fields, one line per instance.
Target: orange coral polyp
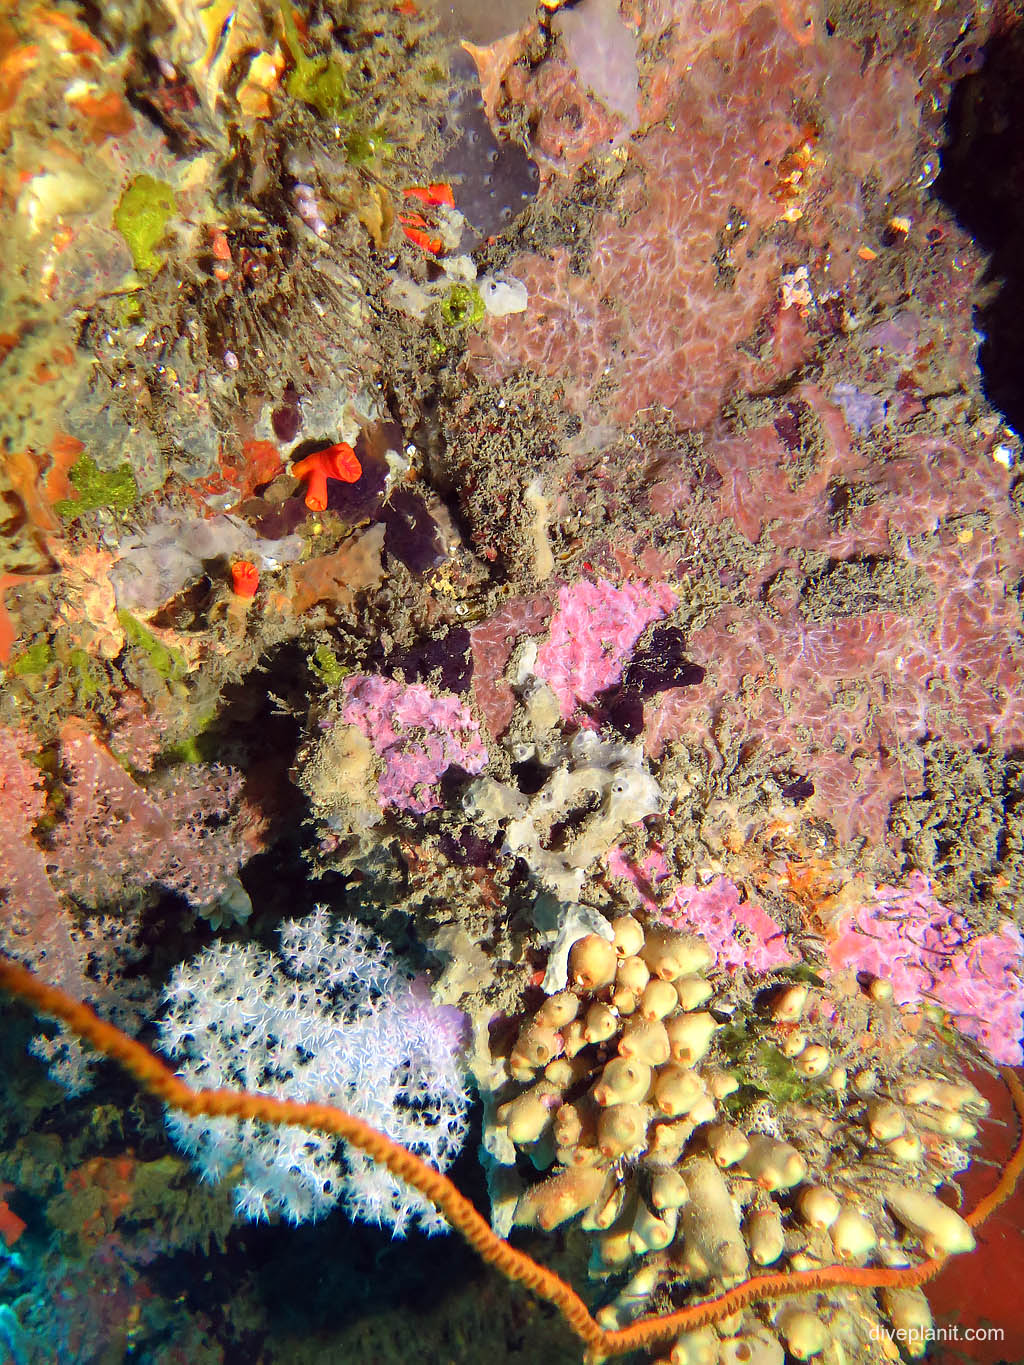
pixel 416 229
pixel 336 462
pixel 245 578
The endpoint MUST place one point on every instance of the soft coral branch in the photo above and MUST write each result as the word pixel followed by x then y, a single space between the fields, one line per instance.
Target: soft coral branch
pixel 35 922
pixel 191 834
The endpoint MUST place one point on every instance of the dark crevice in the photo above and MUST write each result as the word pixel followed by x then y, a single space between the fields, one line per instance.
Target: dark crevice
pixel 982 182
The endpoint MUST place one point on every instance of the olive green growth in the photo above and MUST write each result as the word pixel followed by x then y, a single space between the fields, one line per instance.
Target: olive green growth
pixel 188 751
pixel 325 664
pixel 141 217
pixel 462 306
pixel 97 488
pixel 801 971
pixel 778 1076
pixel 125 310
pixel 201 746
pixel 317 81
pixel 760 1067
pixel 368 148
pixel 35 660
pixel 167 662
pixel 85 675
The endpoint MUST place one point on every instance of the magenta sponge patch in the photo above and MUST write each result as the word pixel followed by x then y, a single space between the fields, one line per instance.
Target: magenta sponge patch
pixel 592 636
pixel 417 736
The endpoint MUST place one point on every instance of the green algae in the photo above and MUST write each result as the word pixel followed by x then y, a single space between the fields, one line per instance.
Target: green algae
pixel 777 1076
pixel 115 489
pixel 85 675
pixel 462 306
pixel 166 662
pixel 201 744
pixel 78 670
pixel 326 665
pixel 33 661
pixel 141 217
pixel 125 310
pixel 317 81
pixel 189 750
pixel 370 148
pixel 760 1067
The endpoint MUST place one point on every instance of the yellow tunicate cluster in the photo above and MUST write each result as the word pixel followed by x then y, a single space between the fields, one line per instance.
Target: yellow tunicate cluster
pixel 623 1086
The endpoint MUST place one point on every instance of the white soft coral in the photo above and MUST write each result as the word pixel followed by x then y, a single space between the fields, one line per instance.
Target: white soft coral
pixel 333 1019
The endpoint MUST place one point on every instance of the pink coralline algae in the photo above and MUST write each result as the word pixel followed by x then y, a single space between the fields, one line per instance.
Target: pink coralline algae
pixel 592 635
pixel 491 644
pixel 680 303
pixel 908 937
pixel 417 736
pixel 838 688
pixel 742 934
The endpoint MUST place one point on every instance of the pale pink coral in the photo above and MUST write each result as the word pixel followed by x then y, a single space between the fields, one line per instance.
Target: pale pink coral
pixel 570 123
pixel 34 923
pixel 417 735
pixel 908 937
pixel 760 140
pixel 566 331
pixel 603 51
pixel 592 636
pixel 742 934
pixel 661 316
pixel 190 829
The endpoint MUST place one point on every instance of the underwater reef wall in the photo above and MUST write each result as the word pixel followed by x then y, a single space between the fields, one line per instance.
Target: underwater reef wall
pixel 520 479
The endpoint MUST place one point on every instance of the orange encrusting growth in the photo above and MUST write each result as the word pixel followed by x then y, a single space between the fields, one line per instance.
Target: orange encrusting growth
pixel 8 632
pixel 416 228
pixel 433 195
pixel 11 1226
pixel 160 1081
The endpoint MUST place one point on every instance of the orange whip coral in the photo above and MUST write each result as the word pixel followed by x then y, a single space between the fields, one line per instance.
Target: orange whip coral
pixel 160 1081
